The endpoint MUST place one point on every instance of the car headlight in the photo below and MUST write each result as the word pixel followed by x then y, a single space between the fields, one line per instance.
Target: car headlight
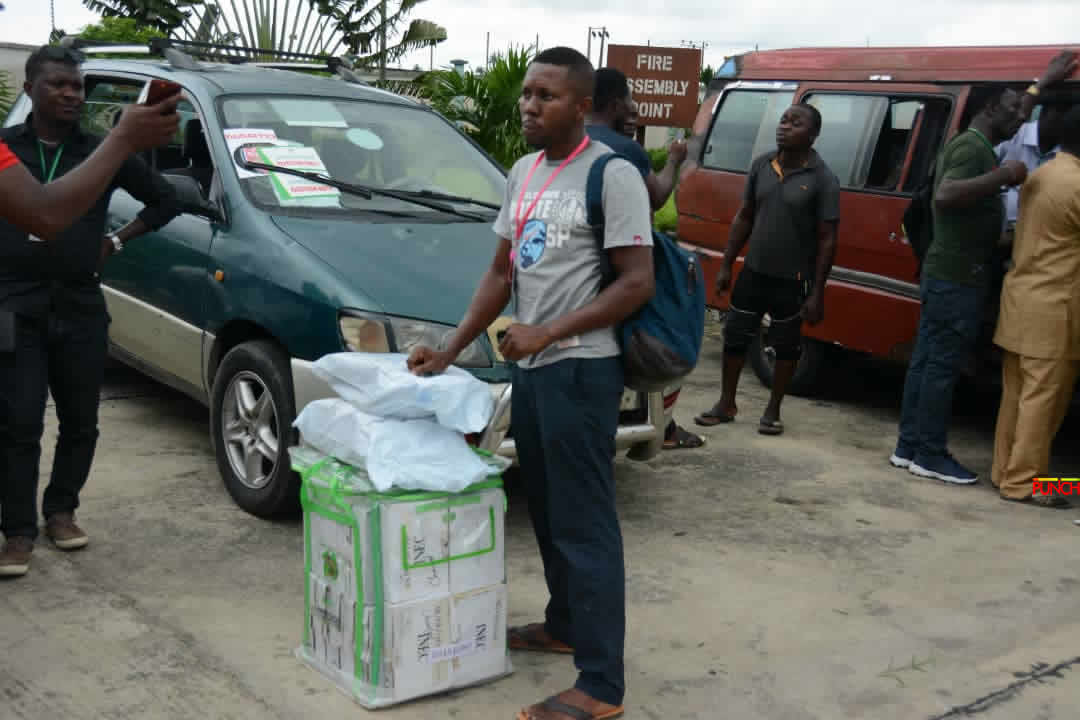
pixel 373 332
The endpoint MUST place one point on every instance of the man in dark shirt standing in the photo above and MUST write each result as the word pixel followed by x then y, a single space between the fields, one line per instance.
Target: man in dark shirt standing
pixel 613 111
pixel 789 214
pixel 968 218
pixel 61 324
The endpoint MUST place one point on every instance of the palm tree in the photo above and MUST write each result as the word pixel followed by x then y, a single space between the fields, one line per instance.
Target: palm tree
pixel 317 27
pixel 7 93
pixel 485 104
pixel 165 15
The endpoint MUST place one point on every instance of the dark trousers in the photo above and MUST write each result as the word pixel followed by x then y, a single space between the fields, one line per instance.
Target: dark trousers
pixel 949 324
pixel 66 355
pixel 564 420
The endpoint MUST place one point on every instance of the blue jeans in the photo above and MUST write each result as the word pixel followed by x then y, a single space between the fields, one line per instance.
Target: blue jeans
pixel 564 419
pixel 948 329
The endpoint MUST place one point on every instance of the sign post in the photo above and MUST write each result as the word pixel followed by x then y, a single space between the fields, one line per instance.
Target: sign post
pixel 663 81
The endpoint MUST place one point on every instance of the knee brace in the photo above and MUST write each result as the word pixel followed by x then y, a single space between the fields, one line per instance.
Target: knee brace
pixel 785 337
pixel 739 330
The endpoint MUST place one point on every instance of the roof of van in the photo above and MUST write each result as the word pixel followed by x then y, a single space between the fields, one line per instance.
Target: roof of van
pixel 1006 63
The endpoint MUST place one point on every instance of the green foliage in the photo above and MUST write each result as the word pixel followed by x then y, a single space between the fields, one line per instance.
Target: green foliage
pixel 7 93
pixel 485 104
pixel 122 30
pixel 666 218
pixel 658 158
pixel 707 74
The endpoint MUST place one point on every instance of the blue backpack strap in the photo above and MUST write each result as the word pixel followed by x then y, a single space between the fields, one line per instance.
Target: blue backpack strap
pixel 594 195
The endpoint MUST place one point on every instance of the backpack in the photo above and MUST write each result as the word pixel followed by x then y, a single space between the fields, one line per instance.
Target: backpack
pixel 661 341
pixel 918 222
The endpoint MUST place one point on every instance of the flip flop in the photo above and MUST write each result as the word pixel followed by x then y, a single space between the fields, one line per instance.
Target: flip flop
pixel 770 427
pixel 533 638
pixel 711 418
pixel 553 704
pixel 683 440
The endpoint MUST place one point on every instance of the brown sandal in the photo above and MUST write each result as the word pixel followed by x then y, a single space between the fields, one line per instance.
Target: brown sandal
pixel 715 416
pixel 534 638
pixel 553 704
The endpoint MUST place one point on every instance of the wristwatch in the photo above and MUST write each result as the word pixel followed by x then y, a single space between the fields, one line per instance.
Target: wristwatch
pixel 117 245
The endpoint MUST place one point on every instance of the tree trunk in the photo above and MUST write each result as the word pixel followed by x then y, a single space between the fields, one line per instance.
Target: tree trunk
pixel 382 41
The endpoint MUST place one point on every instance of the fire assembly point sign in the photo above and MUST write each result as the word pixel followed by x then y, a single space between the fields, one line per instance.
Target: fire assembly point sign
pixel 663 82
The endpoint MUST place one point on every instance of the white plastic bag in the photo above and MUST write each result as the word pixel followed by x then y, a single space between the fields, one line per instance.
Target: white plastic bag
pixel 380 384
pixel 423 455
pixel 338 429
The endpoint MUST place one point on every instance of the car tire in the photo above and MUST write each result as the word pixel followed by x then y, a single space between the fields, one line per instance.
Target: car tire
pixel 807 373
pixel 252 410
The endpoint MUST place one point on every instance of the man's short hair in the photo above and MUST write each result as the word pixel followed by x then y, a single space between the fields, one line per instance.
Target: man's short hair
pixel 578 67
pixel 48 54
pixel 815 116
pixel 1070 131
pixel 610 87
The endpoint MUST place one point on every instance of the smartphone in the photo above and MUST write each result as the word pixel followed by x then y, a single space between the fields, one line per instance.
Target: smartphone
pixel 157 90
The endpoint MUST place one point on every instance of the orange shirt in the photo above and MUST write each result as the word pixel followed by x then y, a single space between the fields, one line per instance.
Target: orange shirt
pixel 7 158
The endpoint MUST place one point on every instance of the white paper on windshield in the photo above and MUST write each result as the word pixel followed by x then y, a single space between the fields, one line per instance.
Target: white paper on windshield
pixel 293 190
pixel 309 113
pixel 235 137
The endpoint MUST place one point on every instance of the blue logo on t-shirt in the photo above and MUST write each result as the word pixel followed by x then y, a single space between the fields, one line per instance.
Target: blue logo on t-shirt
pixel 533 242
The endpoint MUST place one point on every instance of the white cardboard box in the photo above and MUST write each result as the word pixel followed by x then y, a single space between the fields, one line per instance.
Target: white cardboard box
pixel 479 620
pixel 415 546
pixel 478 541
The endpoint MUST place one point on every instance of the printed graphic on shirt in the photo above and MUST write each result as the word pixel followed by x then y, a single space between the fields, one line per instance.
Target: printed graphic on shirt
pixel 533 243
pixel 562 213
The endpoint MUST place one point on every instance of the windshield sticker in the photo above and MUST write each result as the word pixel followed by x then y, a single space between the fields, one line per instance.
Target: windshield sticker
pixel 235 137
pixel 309 113
pixel 293 190
pixel 364 138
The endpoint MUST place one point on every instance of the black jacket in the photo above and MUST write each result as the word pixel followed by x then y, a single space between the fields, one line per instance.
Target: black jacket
pixel 36 276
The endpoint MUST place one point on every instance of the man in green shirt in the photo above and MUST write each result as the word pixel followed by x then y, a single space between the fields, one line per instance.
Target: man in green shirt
pixel 968 217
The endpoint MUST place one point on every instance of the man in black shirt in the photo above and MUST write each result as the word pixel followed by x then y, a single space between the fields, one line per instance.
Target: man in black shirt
pixel 789 214
pixel 61 324
pixel 613 110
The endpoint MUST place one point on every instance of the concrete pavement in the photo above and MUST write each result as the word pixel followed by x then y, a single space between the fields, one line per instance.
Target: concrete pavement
pixel 789 578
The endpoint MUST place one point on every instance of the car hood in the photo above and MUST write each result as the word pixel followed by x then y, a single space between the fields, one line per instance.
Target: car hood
pixel 426 271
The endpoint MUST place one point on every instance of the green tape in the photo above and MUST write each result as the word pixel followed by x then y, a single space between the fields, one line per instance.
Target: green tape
pixel 447 504
pixel 377 616
pixel 450 558
pixel 307 579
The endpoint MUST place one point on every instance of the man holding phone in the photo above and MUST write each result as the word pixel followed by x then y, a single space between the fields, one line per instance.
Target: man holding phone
pixel 60 324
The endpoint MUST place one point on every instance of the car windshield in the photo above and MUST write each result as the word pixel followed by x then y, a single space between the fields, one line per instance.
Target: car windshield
pixel 376 145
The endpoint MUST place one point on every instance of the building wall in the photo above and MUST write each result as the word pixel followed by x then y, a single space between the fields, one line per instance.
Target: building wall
pixel 13 59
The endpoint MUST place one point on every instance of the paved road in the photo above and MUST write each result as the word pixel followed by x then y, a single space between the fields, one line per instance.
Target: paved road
pixel 790 578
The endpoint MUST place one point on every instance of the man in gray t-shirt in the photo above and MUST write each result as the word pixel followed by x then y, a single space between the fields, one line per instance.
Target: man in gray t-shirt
pixel 568 375
pixel 558 267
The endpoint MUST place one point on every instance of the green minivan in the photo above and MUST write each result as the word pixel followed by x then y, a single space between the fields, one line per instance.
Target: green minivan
pixel 264 273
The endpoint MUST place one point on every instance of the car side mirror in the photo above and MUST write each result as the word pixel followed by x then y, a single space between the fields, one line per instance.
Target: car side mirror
pixel 190 195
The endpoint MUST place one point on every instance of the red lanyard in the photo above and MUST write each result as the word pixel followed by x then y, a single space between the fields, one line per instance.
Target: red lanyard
pixel 519 219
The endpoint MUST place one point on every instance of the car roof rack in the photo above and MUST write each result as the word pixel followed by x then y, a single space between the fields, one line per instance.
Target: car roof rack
pixel 185 55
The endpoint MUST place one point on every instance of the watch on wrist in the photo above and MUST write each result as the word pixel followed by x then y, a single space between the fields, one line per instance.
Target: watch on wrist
pixel 118 246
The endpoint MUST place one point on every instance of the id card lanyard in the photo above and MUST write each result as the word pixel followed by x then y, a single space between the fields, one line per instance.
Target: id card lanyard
pixel 47 175
pixel 519 219
pixel 56 161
